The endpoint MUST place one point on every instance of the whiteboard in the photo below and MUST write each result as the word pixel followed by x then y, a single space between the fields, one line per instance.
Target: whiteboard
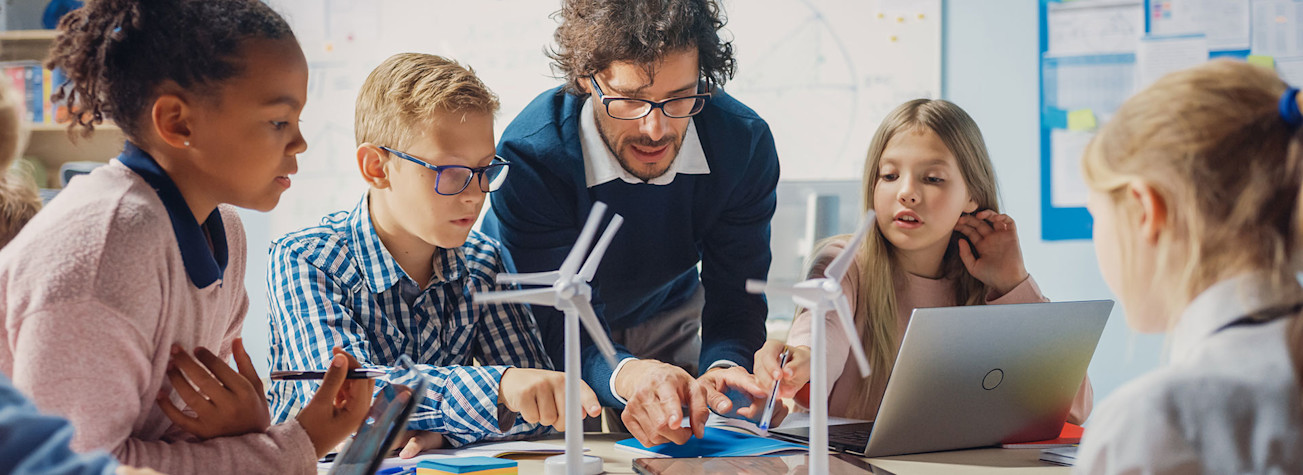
pixel 823 73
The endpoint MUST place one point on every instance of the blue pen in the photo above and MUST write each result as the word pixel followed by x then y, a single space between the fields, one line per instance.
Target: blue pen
pixel 773 395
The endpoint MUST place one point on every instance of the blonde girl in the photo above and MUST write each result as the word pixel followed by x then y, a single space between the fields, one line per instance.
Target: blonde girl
pixel 940 240
pixel 1194 188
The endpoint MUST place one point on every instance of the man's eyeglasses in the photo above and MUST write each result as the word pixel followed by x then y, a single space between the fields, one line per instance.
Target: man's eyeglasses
pixel 453 179
pixel 627 108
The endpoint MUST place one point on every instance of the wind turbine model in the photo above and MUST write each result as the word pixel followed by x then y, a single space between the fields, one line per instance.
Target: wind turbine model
pixel 570 293
pixel 824 295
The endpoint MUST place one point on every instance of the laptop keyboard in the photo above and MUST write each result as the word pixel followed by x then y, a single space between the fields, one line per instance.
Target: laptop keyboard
pixel 851 435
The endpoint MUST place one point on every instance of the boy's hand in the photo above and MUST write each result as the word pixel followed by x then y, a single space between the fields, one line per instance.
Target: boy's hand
pixel 127 470
pixel 414 442
pixel 793 375
pixel 225 403
pixel 539 396
pixel 339 406
pixel 998 260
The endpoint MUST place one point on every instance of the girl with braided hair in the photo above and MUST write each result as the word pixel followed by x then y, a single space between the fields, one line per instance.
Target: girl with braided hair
pixel 116 311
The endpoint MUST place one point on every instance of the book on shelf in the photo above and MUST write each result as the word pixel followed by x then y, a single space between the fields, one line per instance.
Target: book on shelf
pixel 35 84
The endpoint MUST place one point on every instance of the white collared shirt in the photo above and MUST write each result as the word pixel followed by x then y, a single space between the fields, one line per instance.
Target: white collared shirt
pixel 1227 403
pixel 601 166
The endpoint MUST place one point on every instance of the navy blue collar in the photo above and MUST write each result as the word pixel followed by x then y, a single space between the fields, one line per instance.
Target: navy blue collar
pixel 202 264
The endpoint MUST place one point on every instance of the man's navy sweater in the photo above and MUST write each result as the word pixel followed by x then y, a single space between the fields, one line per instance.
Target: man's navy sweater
pixel 720 220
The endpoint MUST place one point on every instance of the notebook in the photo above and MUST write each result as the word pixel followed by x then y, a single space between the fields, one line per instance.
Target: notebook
pixel 1070 436
pixel 717 443
pixel 1066 456
pixel 467 466
pixel 841 464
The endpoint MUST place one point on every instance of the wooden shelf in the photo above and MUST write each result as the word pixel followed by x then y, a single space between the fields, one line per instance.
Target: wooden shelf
pixel 46 128
pixel 29 35
pixel 26 44
pixel 52 147
pixel 50 144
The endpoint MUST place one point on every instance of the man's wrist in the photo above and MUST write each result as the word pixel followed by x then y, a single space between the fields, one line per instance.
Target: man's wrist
pixel 615 379
pixel 720 364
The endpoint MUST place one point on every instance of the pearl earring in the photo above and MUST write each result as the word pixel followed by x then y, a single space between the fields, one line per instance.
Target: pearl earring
pixel 187 143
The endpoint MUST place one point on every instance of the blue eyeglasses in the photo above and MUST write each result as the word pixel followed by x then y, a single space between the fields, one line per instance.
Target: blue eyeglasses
pixel 628 108
pixel 453 179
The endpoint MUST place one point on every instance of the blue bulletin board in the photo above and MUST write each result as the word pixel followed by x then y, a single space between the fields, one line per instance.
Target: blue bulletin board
pixel 1096 53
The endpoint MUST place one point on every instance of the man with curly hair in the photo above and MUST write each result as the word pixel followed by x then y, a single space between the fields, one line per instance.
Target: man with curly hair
pixel 642 123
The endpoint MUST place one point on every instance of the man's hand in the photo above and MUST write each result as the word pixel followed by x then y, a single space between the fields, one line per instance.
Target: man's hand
pixel 657 393
pixel 718 381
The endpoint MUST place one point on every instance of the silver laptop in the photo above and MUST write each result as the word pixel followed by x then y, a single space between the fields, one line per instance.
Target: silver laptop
pixel 977 376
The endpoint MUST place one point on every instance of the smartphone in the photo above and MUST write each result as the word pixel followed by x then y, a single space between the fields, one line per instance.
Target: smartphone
pixel 359 373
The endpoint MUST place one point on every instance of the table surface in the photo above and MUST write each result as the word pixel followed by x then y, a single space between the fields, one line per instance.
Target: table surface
pixel 991 460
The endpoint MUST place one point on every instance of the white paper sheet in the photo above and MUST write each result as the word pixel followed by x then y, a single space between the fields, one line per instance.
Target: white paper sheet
pixel 1094 27
pixel 1278 28
pixel 1156 57
pixel 1066 148
pixel 1226 23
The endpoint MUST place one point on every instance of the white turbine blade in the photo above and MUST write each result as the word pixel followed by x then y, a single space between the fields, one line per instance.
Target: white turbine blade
pixel 802 290
pixel 531 278
pixel 595 258
pixel 588 317
pixel 576 256
pixel 837 269
pixel 543 296
pixel 844 314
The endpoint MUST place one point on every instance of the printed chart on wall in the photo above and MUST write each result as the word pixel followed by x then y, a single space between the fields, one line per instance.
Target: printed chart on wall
pixel 822 73
pixel 1096 53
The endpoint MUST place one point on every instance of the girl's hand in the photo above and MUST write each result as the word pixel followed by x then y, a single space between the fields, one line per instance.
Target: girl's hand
pixel 225 403
pixel 998 260
pixel 338 407
pixel 794 374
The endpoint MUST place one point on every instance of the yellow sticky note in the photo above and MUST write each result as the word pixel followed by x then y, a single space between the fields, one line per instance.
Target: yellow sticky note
pixel 1081 120
pixel 1264 61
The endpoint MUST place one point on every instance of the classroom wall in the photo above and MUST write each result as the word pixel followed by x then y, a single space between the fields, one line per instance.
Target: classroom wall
pixel 990 69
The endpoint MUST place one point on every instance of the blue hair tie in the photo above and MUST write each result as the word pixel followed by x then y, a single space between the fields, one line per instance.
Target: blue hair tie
pixel 1289 108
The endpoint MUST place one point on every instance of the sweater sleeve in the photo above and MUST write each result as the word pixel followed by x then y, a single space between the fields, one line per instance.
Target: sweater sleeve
pixel 836 343
pixel 58 360
pixel 737 249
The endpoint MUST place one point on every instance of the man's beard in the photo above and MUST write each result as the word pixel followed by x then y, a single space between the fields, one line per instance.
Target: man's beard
pixel 675 141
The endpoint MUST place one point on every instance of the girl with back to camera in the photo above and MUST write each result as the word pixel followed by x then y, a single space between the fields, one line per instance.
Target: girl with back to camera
pixel 1194 188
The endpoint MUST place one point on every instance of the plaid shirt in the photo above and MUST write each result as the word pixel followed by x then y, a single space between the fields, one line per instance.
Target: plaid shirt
pixel 336 285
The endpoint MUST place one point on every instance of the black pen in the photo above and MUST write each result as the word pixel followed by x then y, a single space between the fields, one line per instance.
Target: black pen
pixel 359 373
